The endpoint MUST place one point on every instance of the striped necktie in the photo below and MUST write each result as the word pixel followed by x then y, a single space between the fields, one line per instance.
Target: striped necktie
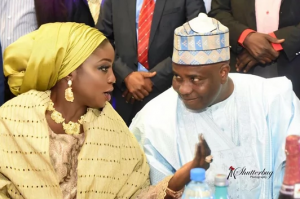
pixel 144 28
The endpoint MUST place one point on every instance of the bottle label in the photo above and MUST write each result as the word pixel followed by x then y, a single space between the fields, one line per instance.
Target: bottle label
pixel 287 189
pixel 297 191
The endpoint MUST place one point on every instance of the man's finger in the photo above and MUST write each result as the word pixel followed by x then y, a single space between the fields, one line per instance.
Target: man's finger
pixel 148 85
pixel 132 100
pixel 128 97
pixel 274 40
pixel 125 93
pixel 267 60
pixel 242 56
pixel 148 74
pixel 138 95
pixel 274 54
pixel 237 61
pixel 243 63
pixel 249 66
pixel 144 92
pixel 240 66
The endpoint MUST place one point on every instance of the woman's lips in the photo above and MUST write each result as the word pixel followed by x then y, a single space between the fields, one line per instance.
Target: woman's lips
pixel 107 96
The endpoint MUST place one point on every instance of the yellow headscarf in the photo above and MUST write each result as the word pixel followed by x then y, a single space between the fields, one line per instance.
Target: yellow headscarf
pixel 41 58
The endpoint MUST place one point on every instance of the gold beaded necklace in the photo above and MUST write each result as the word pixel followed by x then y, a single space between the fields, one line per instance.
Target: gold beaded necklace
pixel 71 128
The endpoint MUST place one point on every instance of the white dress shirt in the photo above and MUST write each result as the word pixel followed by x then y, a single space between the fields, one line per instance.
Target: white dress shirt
pixel 18 18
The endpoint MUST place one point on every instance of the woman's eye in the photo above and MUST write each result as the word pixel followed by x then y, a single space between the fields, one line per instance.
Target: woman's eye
pixel 103 68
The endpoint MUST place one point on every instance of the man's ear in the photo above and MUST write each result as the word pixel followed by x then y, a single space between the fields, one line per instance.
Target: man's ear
pixel 224 70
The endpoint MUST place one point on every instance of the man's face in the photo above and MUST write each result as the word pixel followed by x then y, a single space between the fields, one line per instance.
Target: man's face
pixel 198 86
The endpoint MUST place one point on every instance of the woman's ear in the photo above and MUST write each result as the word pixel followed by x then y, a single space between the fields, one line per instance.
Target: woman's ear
pixel 72 76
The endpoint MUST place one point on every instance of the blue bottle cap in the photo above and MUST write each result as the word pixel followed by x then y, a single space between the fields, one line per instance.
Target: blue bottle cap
pixel 198 174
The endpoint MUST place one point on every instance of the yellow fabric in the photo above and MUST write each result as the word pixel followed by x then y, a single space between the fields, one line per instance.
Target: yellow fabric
pixel 41 58
pixel 111 163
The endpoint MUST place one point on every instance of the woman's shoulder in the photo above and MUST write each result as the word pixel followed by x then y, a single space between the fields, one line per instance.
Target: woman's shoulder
pixel 107 119
pixel 30 100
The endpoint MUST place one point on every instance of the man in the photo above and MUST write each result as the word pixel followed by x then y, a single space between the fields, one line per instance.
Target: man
pixel 20 18
pixel 244 118
pixel 254 27
pixel 2 79
pixel 95 8
pixel 207 5
pixel 142 33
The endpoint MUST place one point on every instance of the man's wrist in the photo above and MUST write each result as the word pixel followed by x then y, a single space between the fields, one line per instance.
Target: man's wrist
pixel 245 43
pixel 244 35
pixel 126 78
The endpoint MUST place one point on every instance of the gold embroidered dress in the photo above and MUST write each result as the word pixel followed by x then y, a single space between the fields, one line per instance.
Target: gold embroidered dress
pixel 110 163
pixel 64 151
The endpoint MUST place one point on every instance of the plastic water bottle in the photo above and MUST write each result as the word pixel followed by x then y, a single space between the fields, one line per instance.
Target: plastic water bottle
pixel 221 185
pixel 197 188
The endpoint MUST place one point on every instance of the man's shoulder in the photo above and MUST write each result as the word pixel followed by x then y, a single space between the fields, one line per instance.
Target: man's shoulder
pixel 268 88
pixel 159 108
pixel 162 100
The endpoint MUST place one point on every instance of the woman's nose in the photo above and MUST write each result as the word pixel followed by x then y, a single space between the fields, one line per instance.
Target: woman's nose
pixel 111 78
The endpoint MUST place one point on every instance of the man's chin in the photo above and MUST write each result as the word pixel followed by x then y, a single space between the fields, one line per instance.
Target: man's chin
pixel 195 107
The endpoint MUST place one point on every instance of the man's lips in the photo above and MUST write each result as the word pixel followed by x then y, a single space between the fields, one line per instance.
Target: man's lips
pixel 189 99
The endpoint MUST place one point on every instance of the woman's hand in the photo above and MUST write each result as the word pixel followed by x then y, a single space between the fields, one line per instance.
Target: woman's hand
pixel 202 154
pixel 182 176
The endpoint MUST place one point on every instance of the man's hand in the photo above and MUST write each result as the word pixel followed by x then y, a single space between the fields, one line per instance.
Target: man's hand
pixel 139 85
pixel 128 97
pixel 260 47
pixel 245 61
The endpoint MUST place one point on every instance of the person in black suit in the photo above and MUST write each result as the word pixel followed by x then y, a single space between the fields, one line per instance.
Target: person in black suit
pixel 2 79
pixel 78 11
pixel 254 51
pixel 138 82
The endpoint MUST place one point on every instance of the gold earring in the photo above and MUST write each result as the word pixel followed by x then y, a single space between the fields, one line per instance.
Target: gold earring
pixel 69 93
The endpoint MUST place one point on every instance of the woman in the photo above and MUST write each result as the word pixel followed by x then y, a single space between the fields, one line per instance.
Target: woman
pixel 60 138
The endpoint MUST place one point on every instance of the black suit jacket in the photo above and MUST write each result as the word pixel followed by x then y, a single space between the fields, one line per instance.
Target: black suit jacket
pixel 239 15
pixel 117 21
pixel 48 11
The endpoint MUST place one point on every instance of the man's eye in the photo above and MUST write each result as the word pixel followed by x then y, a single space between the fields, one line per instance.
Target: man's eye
pixel 195 79
pixel 176 76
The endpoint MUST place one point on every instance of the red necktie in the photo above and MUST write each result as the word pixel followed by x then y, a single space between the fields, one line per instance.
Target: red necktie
pixel 145 21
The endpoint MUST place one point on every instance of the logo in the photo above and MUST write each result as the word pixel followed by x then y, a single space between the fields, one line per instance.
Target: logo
pixel 242 171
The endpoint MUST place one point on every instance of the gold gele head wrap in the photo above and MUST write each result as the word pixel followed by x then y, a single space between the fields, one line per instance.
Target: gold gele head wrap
pixel 41 58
